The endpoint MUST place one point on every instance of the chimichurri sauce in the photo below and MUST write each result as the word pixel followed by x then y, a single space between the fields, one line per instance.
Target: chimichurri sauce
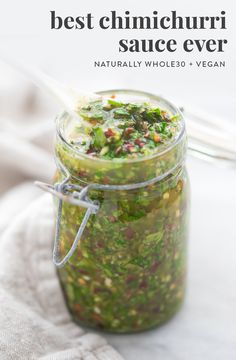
pixel 128 273
pixel 124 130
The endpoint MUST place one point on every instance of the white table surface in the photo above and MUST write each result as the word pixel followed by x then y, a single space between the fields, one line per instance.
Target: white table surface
pixel 205 328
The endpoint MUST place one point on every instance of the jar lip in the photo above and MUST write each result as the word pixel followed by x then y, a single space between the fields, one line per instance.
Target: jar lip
pixel 134 160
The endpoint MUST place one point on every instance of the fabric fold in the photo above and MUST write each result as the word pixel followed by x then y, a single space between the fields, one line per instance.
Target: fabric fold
pixel 35 323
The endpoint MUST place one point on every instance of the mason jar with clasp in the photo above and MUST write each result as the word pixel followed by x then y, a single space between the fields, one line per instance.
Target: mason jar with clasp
pixel 121 230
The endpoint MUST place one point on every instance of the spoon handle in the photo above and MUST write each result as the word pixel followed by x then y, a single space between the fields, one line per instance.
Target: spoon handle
pixel 68 97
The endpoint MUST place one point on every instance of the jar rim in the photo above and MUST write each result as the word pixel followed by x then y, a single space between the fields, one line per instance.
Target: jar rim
pixel 132 160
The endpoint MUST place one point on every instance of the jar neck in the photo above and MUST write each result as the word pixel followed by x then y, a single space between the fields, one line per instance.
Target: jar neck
pixel 122 171
pixel 118 172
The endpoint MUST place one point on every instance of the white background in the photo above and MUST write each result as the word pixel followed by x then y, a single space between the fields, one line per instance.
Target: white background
pixel 205 328
pixel 69 54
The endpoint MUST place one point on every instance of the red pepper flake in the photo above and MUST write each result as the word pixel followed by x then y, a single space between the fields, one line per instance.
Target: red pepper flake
pixel 156 309
pixel 106 180
pixel 154 267
pixel 79 311
pixel 97 318
pixel 91 152
pixel 156 138
pixel 82 173
pixel 143 285
pixel 113 96
pixel 129 295
pixel 170 227
pixel 139 142
pixel 112 218
pixel 130 148
pixel 97 290
pixel 130 278
pixel 129 233
pixel 127 132
pixel 142 307
pixel 109 132
pixel 100 245
pixel 78 308
pixel 83 272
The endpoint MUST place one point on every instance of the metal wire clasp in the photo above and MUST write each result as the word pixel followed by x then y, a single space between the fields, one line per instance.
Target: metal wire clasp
pixel 75 195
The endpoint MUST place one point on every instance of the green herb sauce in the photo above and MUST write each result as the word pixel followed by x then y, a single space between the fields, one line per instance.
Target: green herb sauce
pixel 124 130
pixel 129 271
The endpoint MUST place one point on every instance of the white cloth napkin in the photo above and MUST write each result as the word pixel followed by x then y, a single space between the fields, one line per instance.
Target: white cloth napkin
pixel 34 321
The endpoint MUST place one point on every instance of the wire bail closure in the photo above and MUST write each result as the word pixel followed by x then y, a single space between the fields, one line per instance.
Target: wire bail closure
pixel 75 195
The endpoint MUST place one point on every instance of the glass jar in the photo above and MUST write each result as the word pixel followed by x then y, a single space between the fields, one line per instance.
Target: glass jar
pixel 128 270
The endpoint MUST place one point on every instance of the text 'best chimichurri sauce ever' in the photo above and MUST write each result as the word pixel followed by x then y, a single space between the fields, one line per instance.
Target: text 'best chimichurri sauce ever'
pixel 124 233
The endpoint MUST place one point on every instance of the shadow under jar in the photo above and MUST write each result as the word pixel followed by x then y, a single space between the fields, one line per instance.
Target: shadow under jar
pixel 128 271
